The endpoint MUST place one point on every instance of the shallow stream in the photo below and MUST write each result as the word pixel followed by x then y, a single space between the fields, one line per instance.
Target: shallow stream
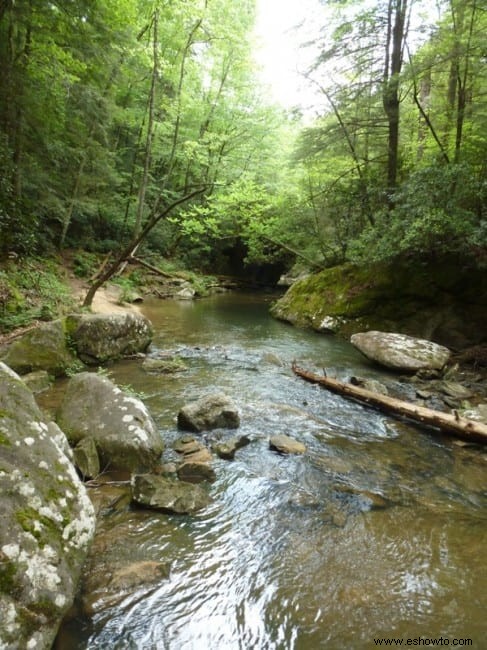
pixel 293 554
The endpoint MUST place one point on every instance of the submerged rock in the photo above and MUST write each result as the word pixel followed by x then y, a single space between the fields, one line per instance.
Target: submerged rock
pixel 210 412
pixel 125 434
pixel 161 493
pixel 401 352
pixel 103 337
pixel 47 521
pixel 164 365
pixel 229 448
pixel 286 445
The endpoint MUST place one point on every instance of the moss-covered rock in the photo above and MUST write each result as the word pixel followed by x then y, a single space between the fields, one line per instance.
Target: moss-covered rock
pixel 443 303
pixel 43 348
pixel 47 521
pixel 103 337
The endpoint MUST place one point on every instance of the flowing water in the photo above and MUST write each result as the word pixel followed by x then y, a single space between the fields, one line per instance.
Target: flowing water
pixel 293 553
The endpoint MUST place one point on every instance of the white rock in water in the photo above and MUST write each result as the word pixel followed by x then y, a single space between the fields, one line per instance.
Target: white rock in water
pixel 401 352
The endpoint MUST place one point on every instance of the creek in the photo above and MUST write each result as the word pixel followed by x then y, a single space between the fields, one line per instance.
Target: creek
pixel 292 554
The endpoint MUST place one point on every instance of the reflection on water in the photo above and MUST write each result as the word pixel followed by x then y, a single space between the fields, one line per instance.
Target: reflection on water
pixel 292 554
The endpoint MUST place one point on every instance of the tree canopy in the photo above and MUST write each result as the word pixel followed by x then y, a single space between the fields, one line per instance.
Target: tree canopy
pixel 112 111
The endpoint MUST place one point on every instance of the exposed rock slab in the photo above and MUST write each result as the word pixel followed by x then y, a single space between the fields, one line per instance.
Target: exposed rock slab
pixel 401 352
pixel 47 521
pixel 286 445
pixel 103 337
pixel 125 434
pixel 161 493
pixel 213 411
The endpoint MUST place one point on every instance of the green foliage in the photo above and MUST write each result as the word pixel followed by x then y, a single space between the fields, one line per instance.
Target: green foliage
pixel 434 215
pixel 31 290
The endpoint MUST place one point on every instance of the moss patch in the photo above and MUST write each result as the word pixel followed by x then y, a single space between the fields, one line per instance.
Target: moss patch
pixel 27 518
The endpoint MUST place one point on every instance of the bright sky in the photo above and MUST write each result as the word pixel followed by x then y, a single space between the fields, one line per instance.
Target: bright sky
pixel 279 55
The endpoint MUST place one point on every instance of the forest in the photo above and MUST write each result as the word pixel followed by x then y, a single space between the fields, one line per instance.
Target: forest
pixel 128 123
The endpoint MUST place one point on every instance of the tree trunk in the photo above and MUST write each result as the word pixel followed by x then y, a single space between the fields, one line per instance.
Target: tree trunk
pixel 452 424
pixel 396 35
pixel 132 246
pixel 150 128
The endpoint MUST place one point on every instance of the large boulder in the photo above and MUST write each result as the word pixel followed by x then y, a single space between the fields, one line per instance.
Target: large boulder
pixel 123 430
pixel 401 352
pixel 103 337
pixel 213 411
pixel 47 521
pixel 42 348
pixel 444 301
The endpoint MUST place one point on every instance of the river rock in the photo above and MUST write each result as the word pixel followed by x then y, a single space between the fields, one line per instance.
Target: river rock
pixel 164 365
pixel 37 381
pixel 210 412
pixel 42 348
pixel 286 445
pixel 196 472
pixel 47 522
pixel 161 493
pixel 401 352
pixel 103 337
pixel 228 448
pixel 372 385
pixel 86 458
pixel 122 427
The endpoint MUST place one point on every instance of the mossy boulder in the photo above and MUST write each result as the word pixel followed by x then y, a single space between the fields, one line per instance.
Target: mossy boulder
pixel 104 337
pixel 124 432
pixel 43 348
pixel 444 303
pixel 47 521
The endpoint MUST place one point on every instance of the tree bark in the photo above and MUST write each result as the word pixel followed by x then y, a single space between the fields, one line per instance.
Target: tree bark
pixel 449 423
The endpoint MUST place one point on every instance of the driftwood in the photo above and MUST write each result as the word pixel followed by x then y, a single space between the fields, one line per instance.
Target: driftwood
pixel 449 423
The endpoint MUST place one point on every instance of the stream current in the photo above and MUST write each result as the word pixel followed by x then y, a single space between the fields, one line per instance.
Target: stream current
pixel 292 554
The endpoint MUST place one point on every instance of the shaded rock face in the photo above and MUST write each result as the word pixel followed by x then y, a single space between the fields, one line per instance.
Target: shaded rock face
pixel 211 412
pixel 47 521
pixel 168 495
pixel 98 337
pixel 444 302
pixel 401 352
pixel 43 348
pixel 123 430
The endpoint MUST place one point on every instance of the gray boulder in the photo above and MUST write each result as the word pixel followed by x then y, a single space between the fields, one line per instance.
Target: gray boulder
pixel 401 352
pixel 210 412
pixel 168 495
pixel 124 432
pixel 103 337
pixel 47 522
pixel 42 348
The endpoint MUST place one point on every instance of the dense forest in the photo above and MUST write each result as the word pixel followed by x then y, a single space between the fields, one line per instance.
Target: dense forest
pixel 143 122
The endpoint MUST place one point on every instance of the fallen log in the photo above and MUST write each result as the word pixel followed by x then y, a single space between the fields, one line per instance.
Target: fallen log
pixel 450 423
